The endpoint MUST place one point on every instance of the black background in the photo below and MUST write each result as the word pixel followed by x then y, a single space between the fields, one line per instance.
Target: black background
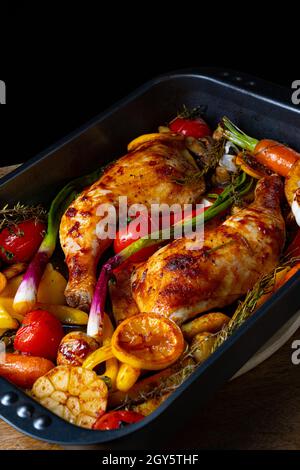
pixel 63 66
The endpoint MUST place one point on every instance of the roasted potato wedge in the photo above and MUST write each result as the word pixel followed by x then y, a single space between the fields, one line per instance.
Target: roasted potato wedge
pixel 210 322
pixel 202 346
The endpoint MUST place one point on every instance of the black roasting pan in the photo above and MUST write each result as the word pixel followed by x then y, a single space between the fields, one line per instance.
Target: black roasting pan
pixel 263 110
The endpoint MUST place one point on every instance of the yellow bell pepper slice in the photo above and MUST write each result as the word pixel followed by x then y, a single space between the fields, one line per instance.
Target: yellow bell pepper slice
pixel 7 305
pixel 6 320
pixel 52 287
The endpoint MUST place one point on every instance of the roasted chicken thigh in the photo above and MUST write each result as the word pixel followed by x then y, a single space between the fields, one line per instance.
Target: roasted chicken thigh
pixel 181 280
pixel 148 174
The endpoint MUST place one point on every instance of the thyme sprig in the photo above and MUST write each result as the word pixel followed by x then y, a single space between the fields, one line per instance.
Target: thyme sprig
pixel 13 215
pixel 192 113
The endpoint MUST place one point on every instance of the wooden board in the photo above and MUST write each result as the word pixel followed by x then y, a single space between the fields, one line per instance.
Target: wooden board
pixel 259 410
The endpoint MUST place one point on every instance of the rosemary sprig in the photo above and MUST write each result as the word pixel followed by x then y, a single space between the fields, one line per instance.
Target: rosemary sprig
pixel 13 215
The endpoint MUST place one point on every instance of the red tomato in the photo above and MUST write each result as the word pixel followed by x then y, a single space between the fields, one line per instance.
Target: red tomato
pixel 190 127
pixel 39 335
pixel 115 419
pixel 21 241
pixel 127 235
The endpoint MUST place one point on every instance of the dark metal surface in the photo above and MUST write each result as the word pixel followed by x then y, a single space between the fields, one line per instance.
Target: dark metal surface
pixel 264 110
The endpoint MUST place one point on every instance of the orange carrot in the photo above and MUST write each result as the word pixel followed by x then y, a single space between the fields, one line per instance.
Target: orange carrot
pixel 274 155
pixel 23 371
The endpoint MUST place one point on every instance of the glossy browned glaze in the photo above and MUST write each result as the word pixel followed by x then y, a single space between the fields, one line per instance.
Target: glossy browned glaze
pixel 146 175
pixel 182 279
pixel 123 305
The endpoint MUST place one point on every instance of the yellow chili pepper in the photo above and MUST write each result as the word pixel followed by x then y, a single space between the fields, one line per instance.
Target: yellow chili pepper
pixel 98 356
pixel 127 377
pixel 65 314
pixel 112 365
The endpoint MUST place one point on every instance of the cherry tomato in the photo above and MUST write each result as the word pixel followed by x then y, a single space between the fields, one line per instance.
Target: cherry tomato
pixel 115 419
pixel 127 235
pixel 19 243
pixel 190 127
pixel 39 335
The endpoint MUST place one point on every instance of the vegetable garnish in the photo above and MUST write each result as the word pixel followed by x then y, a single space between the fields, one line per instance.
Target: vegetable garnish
pixel 39 335
pixel 148 341
pixel 190 123
pixel 19 242
pixel 10 216
pixel 274 155
pixel 240 186
pixel 26 295
pixel 23 371
pixel 144 341
pixel 115 419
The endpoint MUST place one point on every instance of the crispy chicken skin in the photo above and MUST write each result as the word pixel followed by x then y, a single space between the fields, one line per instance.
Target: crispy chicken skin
pixel 180 282
pixel 146 175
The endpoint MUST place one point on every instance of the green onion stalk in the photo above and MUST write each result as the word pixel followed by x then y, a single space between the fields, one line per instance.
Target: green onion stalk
pixel 231 132
pixel 26 296
pixel 238 188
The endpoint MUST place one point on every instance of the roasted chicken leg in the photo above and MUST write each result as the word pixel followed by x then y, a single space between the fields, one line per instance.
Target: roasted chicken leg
pixel 148 174
pixel 179 281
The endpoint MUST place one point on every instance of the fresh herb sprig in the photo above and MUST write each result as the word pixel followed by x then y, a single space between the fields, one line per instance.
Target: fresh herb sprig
pixel 19 212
